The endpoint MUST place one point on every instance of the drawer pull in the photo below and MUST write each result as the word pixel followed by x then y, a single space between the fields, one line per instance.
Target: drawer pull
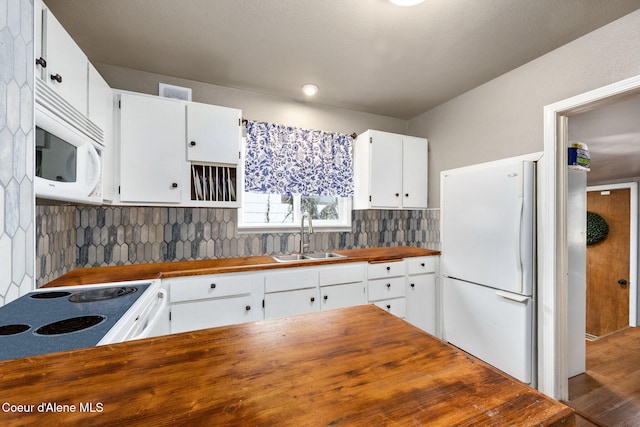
pixel 413 285
pixel 247 308
pixel 326 297
pixel 422 264
pixel 388 285
pixel 388 306
pixel 213 286
pixel 388 268
pixel 56 78
pixel 313 299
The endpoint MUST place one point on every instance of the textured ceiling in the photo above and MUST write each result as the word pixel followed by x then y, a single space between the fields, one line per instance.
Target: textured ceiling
pixel 365 55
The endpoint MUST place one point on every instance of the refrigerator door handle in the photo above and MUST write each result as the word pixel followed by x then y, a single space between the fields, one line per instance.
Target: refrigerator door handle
pixel 512 297
pixel 518 241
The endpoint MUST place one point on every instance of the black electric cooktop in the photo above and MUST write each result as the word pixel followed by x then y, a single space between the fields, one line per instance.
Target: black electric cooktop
pixel 58 320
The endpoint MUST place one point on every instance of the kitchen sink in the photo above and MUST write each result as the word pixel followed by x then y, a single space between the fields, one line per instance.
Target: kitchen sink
pixel 324 255
pixel 307 257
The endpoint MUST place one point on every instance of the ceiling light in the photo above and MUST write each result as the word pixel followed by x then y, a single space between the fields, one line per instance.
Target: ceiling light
pixel 406 2
pixel 310 89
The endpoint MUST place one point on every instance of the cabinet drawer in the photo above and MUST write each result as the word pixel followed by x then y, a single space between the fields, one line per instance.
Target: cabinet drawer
pixel 348 273
pixel 386 288
pixel 419 265
pixel 210 286
pixel 386 269
pixel 395 306
pixel 291 278
pixel 189 316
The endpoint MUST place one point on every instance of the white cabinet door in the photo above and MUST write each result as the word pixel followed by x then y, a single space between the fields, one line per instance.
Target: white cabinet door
pixel 213 133
pixel 201 314
pixel 340 296
pixel 386 170
pixel 101 111
pixel 291 303
pixel 414 172
pixel 66 69
pixel 421 302
pixel 152 131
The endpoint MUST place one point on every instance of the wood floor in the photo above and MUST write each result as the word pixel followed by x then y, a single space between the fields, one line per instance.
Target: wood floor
pixel 608 394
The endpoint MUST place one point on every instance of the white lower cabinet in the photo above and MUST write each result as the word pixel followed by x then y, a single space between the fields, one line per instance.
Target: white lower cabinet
pixel 386 286
pixel 406 288
pixel 343 285
pixel 421 293
pixel 198 302
pixel 289 292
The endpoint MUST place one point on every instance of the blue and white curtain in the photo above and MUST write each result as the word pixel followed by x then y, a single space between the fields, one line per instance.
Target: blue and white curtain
pixel 289 160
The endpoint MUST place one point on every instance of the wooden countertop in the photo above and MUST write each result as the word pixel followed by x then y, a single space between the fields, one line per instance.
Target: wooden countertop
pixel 86 276
pixel 352 366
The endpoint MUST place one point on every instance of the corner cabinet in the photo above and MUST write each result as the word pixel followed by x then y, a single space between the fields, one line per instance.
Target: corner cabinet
pixel 173 152
pixel 390 171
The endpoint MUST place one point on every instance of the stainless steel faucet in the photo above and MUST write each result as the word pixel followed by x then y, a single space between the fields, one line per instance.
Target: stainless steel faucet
pixel 304 245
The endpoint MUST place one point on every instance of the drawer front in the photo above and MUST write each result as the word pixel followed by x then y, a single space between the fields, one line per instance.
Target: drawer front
pixel 380 289
pixel 210 286
pixel 386 269
pixel 291 278
pixel 337 274
pixel 420 265
pixel 190 316
pixel 395 306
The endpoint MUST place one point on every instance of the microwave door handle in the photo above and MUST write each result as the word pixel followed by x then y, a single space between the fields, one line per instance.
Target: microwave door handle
pixel 94 158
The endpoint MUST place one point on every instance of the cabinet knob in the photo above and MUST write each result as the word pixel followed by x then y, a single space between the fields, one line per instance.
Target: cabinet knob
pixel 174 185
pixel 247 308
pixel 41 62
pixel 313 299
pixel 56 77
pixel 397 194
pixel 413 285
pixel 192 143
pixel 422 264
pixel 388 306
pixel 326 297
pixel 388 268
pixel 388 285
pixel 406 195
pixel 213 286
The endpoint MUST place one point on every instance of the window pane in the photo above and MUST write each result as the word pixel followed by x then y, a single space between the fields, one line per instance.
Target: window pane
pixel 325 208
pixel 267 209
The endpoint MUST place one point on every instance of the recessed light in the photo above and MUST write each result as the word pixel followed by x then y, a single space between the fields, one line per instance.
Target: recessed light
pixel 406 2
pixel 310 89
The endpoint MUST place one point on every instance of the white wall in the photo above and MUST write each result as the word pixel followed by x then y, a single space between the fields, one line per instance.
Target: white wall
pixel 504 117
pixel 256 106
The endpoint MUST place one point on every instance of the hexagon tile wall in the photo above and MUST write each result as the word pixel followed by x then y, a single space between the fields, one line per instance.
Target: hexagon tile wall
pixel 72 237
pixel 17 251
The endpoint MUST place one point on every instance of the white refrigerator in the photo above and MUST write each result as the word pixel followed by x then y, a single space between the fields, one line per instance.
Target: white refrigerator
pixel 488 263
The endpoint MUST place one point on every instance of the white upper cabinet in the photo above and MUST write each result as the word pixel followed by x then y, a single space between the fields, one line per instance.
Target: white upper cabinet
pixel 213 133
pixel 390 171
pixel 101 111
pixel 66 65
pixel 151 148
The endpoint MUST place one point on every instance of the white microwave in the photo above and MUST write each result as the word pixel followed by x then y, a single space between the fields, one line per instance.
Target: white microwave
pixel 68 164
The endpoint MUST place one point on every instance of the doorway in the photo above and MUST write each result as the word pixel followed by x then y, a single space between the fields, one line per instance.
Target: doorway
pixel 553 266
pixel 610 273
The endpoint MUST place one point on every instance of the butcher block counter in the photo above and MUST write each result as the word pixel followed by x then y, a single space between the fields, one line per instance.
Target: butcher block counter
pixel 86 276
pixel 352 366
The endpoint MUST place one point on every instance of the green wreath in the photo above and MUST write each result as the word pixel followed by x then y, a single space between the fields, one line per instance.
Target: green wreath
pixel 597 228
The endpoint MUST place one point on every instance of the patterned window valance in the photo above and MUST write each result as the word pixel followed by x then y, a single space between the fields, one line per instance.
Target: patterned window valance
pixel 288 160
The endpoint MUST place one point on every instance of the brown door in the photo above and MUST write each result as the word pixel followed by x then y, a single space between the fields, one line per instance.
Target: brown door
pixel 608 264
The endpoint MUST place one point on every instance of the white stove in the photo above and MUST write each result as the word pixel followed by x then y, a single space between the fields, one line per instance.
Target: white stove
pixel 70 317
